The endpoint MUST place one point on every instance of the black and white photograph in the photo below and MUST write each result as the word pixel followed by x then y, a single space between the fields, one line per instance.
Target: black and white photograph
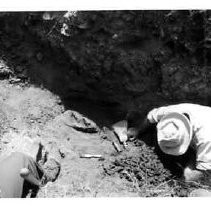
pixel 105 103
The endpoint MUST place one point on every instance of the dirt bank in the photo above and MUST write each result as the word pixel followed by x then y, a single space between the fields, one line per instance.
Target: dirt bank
pixel 127 59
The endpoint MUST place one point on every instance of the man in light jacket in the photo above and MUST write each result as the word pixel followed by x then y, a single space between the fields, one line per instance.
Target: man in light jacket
pixel 179 127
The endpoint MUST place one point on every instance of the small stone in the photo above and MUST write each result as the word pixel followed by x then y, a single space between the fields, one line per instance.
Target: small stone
pixel 14 80
pixel 39 56
pixel 19 69
pixel 115 36
pixel 7 44
pixel 84 26
pixel 79 122
pixel 46 16
pixel 22 76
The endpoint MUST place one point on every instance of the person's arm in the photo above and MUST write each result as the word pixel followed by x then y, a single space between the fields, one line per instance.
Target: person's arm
pixel 139 122
pixel 156 114
pixel 203 158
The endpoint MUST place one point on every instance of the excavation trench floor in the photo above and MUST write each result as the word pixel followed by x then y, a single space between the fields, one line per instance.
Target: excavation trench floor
pixel 29 108
pixel 32 111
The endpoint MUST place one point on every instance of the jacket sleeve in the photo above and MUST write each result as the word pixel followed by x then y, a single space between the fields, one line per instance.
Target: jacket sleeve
pixel 203 159
pixel 202 142
pixel 155 115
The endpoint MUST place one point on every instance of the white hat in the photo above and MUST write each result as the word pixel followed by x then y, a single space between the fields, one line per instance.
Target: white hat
pixel 174 133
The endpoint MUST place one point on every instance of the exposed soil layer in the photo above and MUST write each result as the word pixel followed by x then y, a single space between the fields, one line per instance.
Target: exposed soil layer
pixel 129 59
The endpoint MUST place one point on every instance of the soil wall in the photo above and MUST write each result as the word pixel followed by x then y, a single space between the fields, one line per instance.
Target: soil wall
pixel 128 59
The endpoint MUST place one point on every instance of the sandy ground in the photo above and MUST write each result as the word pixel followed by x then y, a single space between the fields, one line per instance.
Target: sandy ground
pixel 31 111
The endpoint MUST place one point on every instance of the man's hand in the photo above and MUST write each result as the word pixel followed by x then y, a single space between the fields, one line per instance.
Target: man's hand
pixel 28 176
pixel 132 133
pixel 191 175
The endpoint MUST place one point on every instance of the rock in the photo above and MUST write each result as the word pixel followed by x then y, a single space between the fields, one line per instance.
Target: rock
pixel 52 169
pixel 64 30
pixel 47 16
pixel 79 122
pixel 115 36
pixel 22 76
pixel 84 26
pixel 39 56
pixel 70 14
pixel 7 44
pixel 14 80
pixel 19 69
pixel 5 71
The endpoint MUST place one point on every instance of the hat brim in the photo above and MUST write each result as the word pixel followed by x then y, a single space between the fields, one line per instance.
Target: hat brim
pixel 186 138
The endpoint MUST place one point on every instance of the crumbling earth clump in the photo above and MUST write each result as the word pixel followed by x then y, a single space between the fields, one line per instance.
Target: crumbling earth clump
pixel 80 123
pixel 143 167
